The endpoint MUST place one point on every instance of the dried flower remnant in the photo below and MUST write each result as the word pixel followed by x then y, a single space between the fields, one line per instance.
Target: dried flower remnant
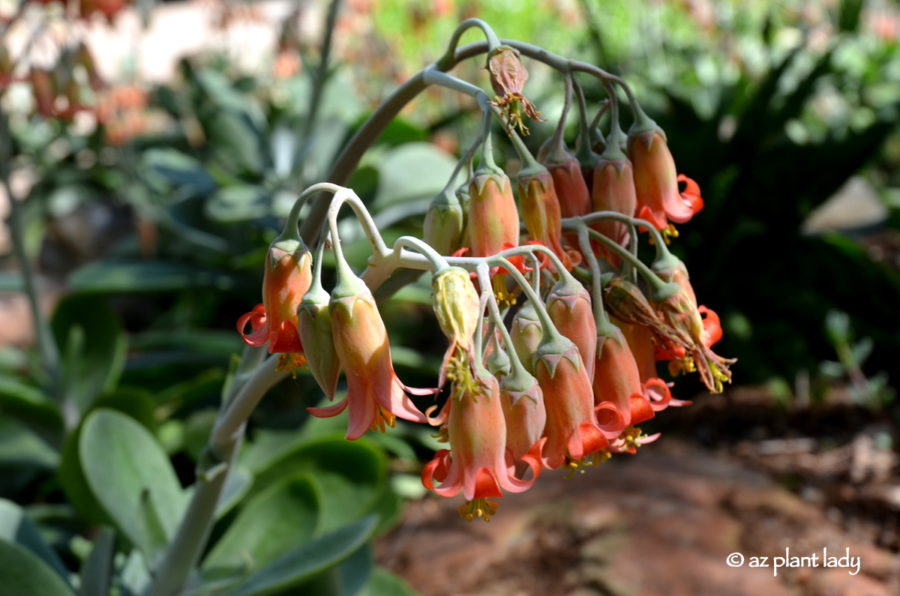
pixel 508 78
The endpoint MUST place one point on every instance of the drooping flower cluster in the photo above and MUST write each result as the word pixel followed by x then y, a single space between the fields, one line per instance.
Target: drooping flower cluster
pixel 554 335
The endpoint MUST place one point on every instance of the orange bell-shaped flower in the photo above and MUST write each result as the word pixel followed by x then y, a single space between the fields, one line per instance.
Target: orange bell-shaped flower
pixel 375 395
pixel 613 190
pixel 656 180
pixel 476 462
pixel 287 277
pixel 569 307
pixel 541 211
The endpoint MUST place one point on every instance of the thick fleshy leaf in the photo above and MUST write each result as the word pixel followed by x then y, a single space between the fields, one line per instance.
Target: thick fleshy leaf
pixel 308 560
pixel 15 526
pixel 272 522
pixel 25 574
pixel 412 171
pixel 178 170
pixel 28 403
pixel 20 447
pixel 131 477
pixel 384 583
pixel 351 474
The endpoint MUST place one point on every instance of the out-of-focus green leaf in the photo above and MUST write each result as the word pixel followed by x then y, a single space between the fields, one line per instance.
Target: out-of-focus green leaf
pixel 27 403
pixel 179 170
pixel 129 474
pixel 236 142
pixel 307 560
pixel 271 523
pixel 145 276
pixel 412 171
pixel 239 203
pixel 15 526
pixel 26 575
pixel 237 485
pixel 384 583
pixel 20 447
pixel 351 474
pixel 96 575
pixel 355 571
pixel 93 347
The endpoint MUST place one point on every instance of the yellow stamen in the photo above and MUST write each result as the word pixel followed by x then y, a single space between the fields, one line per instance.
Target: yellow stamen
pixel 382 420
pixel 482 508
pixel 290 363
pixel 632 436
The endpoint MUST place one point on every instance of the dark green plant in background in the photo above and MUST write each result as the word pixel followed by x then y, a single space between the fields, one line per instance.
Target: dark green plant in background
pixel 797 99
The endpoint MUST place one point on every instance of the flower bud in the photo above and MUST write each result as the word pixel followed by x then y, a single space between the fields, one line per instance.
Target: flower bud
pixel 496 360
pixel 571 190
pixel 524 411
pixel 315 335
pixel 493 219
pixel 613 190
pixel 569 306
pixel 444 223
pixel 526 333
pixel 541 212
pixel 456 305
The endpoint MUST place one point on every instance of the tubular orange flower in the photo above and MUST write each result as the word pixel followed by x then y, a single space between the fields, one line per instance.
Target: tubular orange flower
pixel 526 333
pixel 572 431
pixel 375 395
pixel 476 461
pixel 493 217
pixel 571 189
pixel 656 181
pixel 541 212
pixel 287 277
pixel 524 412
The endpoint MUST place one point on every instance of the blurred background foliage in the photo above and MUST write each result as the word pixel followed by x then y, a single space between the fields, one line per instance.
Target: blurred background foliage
pixel 148 212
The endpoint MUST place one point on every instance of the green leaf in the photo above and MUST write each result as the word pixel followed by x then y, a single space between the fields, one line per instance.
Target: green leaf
pixel 308 560
pixel 15 526
pixel 20 447
pixel 145 276
pixel 96 575
pixel 272 522
pixel 130 475
pixel 237 485
pixel 351 474
pixel 94 348
pixel 179 170
pixel 384 583
pixel 412 171
pixel 26 575
pixel 239 203
pixel 28 403
pixel 355 571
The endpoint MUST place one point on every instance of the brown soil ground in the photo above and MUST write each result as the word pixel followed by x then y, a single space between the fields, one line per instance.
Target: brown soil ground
pixel 664 521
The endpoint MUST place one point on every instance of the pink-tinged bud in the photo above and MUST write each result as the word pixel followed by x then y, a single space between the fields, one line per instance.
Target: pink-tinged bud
pixel 493 218
pixel 656 181
pixel 572 431
pixel 524 411
pixel 496 359
pixel 444 223
pixel 613 190
pixel 316 337
pixel 571 189
pixel 287 277
pixel 569 306
pixel 541 212
pixel 526 333
pixel 476 461
pixel 375 395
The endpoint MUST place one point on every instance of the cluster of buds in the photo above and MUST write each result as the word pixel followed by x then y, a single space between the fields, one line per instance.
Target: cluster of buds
pixel 555 331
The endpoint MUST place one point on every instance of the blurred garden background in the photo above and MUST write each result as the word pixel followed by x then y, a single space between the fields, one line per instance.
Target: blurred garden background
pixel 150 151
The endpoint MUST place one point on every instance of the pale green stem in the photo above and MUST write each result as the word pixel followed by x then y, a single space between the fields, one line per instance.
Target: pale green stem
pixel 533 297
pixel 183 553
pixel 321 75
pixel 661 289
pixel 449 59
pixel 662 252
pixel 600 318
pixel 485 281
pixel 438 263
